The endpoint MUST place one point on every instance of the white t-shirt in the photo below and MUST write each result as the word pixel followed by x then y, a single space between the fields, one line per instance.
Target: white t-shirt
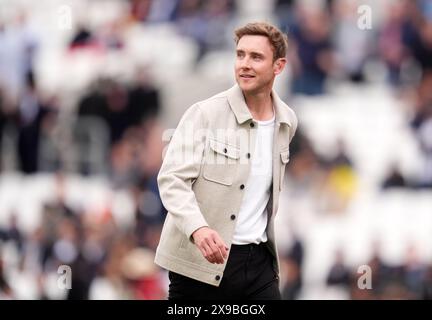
pixel 252 218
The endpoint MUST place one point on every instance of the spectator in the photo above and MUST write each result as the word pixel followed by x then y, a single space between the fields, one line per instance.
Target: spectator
pixel 339 274
pixel 5 290
pixel 313 56
pixel 31 112
pixel 414 272
pixel 144 100
pixel 394 179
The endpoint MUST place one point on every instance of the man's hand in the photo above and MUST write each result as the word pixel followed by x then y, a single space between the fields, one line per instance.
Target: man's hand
pixel 211 245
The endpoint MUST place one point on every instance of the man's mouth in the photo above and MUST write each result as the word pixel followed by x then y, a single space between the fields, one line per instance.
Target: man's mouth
pixel 247 76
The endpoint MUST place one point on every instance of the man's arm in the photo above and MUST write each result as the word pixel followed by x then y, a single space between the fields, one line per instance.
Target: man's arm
pixel 181 166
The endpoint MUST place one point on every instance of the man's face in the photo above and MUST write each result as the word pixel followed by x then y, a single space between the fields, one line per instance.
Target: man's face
pixel 254 67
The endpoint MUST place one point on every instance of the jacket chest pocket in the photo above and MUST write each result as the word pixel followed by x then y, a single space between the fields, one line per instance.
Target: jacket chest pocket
pixel 221 163
pixel 285 157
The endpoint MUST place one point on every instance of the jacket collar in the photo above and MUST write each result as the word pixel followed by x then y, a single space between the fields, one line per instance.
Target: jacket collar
pixel 241 111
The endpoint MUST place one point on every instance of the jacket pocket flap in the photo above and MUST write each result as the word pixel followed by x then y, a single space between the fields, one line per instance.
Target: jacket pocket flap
pixel 285 156
pixel 225 149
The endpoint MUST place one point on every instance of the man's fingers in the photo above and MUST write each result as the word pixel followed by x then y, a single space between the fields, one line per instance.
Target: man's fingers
pixel 218 252
pixel 211 245
pixel 221 246
pixel 223 249
pixel 208 252
pixel 217 256
pixel 203 251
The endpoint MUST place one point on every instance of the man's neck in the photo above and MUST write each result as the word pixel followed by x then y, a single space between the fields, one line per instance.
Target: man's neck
pixel 260 105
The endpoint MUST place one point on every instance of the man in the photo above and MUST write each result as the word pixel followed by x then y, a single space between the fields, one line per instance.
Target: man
pixel 221 177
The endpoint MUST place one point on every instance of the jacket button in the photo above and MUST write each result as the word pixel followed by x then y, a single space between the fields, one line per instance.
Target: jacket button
pixel 242 186
pixel 225 150
pixel 217 278
pixel 233 217
pixel 248 155
pixel 252 124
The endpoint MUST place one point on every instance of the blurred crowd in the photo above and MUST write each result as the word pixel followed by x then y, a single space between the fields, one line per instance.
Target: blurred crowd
pixel 327 44
pixel 114 129
pixel 375 280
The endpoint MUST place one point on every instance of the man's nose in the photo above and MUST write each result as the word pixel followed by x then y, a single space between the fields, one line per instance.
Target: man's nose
pixel 244 64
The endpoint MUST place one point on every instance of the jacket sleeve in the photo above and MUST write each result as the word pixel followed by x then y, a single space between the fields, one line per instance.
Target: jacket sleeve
pixel 180 167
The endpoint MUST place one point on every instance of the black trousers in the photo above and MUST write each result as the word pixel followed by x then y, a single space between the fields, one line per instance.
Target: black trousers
pixel 249 275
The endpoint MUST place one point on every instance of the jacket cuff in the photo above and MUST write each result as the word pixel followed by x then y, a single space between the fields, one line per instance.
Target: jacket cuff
pixel 199 222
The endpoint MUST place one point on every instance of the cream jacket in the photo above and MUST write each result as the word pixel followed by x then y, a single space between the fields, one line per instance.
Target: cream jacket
pixel 202 177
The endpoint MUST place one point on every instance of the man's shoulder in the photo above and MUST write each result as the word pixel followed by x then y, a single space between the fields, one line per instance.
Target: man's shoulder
pixel 287 112
pixel 214 104
pixel 219 98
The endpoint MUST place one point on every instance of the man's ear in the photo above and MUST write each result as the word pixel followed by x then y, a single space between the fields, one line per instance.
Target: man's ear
pixel 279 65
